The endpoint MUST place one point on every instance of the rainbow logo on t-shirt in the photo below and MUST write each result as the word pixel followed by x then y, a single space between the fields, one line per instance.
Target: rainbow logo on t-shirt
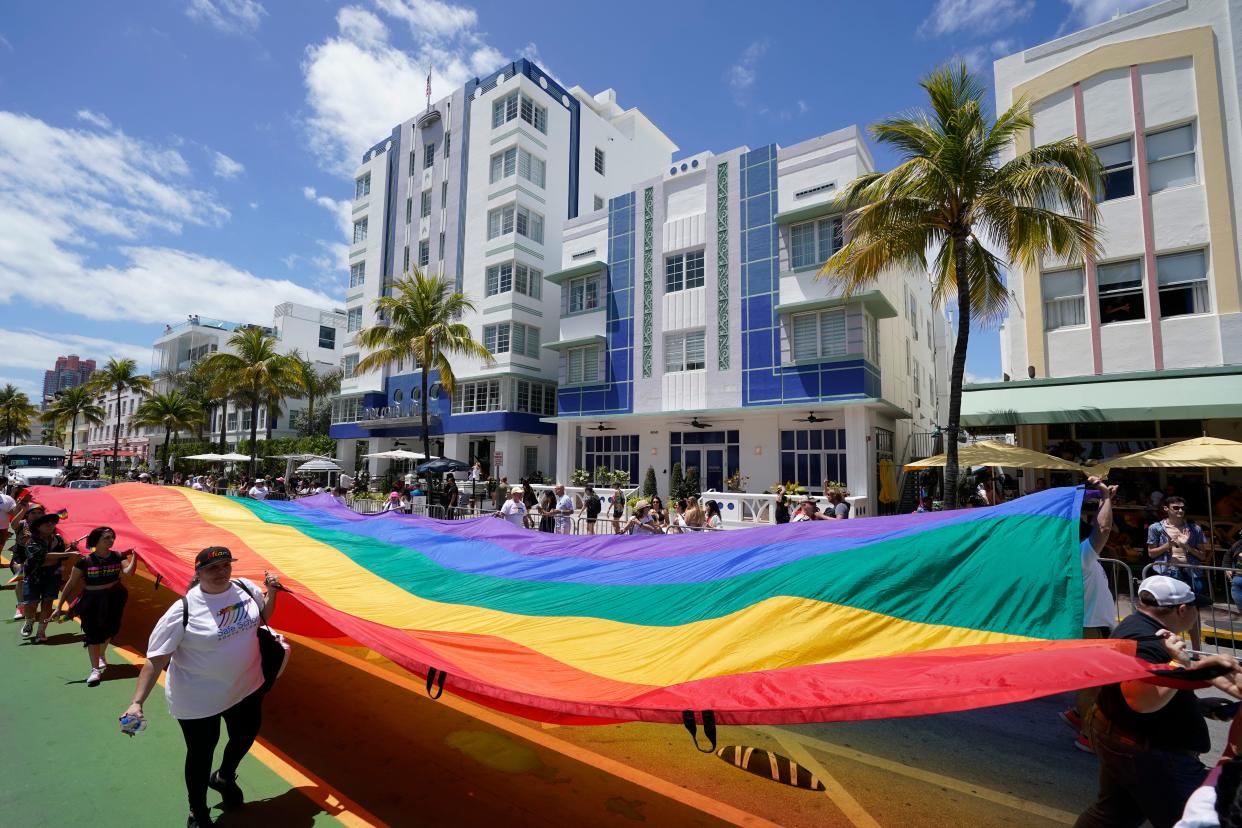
pixel 230 615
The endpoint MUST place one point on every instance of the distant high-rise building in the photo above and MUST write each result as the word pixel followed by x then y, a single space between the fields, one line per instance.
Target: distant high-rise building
pixel 70 372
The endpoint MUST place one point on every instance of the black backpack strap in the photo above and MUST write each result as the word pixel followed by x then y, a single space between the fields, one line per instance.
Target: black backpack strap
pixel 185 612
pixel 246 590
pixel 709 729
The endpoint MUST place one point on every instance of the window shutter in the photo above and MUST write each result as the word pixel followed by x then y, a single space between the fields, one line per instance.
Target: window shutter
pixel 832 333
pixel 805 332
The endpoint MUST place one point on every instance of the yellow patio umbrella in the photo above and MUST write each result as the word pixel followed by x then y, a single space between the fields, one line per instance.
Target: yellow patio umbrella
pixel 1000 455
pixel 1206 453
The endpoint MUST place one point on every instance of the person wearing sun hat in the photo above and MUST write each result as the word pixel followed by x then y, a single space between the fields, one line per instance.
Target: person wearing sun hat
pixel 209 644
pixel 642 520
pixel 42 557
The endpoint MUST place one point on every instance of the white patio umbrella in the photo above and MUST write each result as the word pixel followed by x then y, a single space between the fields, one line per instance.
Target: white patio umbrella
pixel 212 458
pixel 397 454
pixel 234 457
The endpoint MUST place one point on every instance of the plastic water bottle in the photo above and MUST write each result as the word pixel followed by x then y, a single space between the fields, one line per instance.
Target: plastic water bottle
pixel 132 724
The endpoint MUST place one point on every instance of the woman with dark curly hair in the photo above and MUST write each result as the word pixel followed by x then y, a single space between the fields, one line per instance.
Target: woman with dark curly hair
pixel 97 577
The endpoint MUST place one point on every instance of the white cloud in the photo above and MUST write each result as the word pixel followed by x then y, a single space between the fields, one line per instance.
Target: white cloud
pixel 741 76
pixel 66 193
pixel 37 350
pixel 230 16
pixel 974 16
pixel 1003 46
pixel 972 378
pixel 225 167
pixel 1085 13
pixel 359 85
pixel 29 387
pixel 5 43
pixel 341 209
pixel 94 118
pixel 254 205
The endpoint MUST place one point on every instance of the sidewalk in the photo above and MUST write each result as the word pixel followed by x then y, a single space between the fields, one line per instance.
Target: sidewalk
pixel 71 764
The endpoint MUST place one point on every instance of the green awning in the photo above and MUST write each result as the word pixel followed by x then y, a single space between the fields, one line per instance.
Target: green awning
pixel 581 342
pixel 1184 394
pixel 811 211
pixel 561 276
pixel 874 301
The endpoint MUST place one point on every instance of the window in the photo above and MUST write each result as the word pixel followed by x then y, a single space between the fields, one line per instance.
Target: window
pixel 1121 291
pixel 441 245
pixel 1171 158
pixel 353 320
pixel 813 243
pixel 504 164
pixel 349 365
pixel 362 186
pixel 533 397
pixel 443 193
pixel 411 162
pixel 360 230
pixel 1182 282
pixel 820 334
pixel 530 460
pixel 683 271
pixel 517 104
pixel 511 337
pixel 503 220
pixel 501 278
pixel 472 397
pixel 599 160
pixel 424 253
pixel 582 365
pixel 1063 299
pixel 357 274
pixel 684 352
pixel 916 383
pixel 405 259
pixel 448 142
pixel 871 339
pixel 232 421
pixel 813 457
pixel 583 294
pixel 618 452
pixel 409 209
pixel 424 205
pixel 1118 162
pixel 327 337
pixel 429 155
pixel 599 203
pixel 531 168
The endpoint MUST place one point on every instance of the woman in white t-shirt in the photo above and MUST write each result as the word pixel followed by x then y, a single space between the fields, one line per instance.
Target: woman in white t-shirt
pixel 209 643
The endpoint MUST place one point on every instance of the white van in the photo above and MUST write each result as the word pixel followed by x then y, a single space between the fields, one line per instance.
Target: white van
pixel 33 465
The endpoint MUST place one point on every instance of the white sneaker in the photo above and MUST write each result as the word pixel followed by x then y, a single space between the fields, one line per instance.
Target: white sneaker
pixel 27 629
pixel 17 615
pixel 93 679
pixel 102 665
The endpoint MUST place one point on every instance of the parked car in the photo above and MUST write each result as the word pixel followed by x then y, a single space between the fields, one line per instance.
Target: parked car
pixel 86 484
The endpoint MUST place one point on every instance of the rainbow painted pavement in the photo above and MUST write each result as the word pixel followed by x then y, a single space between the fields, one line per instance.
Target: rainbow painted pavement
pixel 805 622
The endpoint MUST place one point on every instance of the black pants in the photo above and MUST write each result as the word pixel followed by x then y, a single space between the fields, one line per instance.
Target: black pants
pixel 1138 785
pixel 201 736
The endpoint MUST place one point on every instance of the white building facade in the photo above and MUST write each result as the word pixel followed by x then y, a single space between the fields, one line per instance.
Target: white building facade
pixel 693 330
pixel 315 334
pixel 477 189
pixel 1142 344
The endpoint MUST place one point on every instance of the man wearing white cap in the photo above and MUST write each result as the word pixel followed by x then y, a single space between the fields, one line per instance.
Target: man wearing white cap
pixel 513 510
pixel 1147 737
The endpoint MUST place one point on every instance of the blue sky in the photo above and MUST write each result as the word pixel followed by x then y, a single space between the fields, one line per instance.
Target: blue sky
pixel 193 156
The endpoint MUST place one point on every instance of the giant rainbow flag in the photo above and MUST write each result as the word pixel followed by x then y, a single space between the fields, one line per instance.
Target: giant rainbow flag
pixel 803 622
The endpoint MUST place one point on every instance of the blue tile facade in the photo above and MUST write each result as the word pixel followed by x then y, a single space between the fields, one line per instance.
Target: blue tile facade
pixel 765 381
pixel 615 395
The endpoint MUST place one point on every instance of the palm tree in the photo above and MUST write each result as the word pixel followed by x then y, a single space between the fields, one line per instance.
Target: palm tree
pixel 72 404
pixel 954 197
pixel 172 411
pixel 259 372
pixel 16 412
pixel 198 383
pixel 423 311
pixel 315 386
pixel 119 375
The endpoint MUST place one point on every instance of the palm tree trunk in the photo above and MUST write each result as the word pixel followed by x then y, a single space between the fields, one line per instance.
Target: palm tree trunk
pixel 951 471
pixel 116 436
pixel 167 434
pixel 224 414
pixel 73 433
pixel 254 432
pixel 426 418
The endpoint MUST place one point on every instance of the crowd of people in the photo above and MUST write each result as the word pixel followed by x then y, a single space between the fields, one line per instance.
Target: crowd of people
pixel 207 641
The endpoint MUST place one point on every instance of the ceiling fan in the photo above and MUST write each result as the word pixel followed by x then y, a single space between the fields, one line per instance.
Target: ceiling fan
pixel 811 418
pixel 694 421
pixel 601 427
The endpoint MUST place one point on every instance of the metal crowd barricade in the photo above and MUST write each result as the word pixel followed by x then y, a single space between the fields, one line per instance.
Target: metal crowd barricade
pixel 1222 619
pixel 1120 586
pixel 604 526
